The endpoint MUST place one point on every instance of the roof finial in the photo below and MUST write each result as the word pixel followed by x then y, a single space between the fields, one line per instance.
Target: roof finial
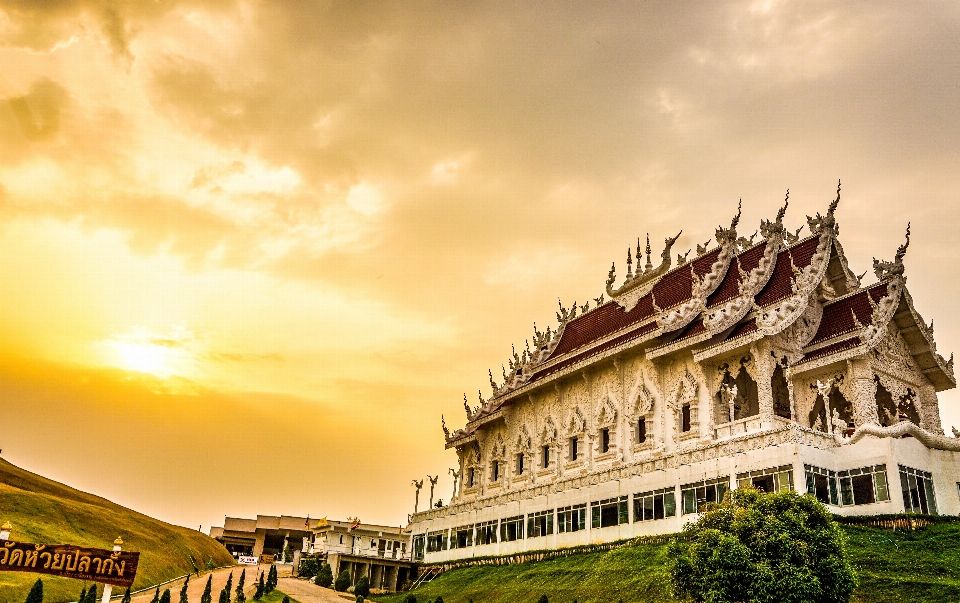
pixel 902 250
pixel 783 210
pixel 835 202
pixel 630 265
pixel 649 265
pixel 736 218
pixel 638 254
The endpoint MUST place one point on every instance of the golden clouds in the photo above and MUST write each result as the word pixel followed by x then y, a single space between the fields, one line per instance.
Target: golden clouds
pixel 363 207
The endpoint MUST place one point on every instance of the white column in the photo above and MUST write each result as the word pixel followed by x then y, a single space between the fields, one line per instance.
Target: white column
pixel 5 531
pixel 107 588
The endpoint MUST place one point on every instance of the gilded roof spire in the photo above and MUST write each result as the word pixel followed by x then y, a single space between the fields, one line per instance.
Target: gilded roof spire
pixel 630 265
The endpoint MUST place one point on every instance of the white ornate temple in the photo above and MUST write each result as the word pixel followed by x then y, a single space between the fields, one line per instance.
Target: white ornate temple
pixel 763 362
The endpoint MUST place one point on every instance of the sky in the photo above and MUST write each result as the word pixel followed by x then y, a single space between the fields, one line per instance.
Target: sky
pixel 251 251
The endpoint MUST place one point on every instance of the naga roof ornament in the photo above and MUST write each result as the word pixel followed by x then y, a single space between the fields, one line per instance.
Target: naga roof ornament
pixel 893 269
pixel 649 274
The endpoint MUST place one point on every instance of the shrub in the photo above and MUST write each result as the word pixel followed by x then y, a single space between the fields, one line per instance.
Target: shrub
pixel 363 587
pixel 361 599
pixel 241 597
pixel 165 597
pixel 207 596
pixel 36 592
pixel 155 599
pixel 343 581
pixel 309 567
pixel 543 599
pixel 272 579
pixel 92 594
pixel 261 589
pixel 759 548
pixel 286 599
pixel 411 598
pixel 126 596
pixel 439 600
pixel 324 576
pixel 183 591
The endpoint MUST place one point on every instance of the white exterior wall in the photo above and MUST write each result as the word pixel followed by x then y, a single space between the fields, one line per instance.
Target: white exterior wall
pixel 810 449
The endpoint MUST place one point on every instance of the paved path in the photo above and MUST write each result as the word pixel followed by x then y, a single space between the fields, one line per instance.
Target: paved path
pixel 197 584
pixel 308 592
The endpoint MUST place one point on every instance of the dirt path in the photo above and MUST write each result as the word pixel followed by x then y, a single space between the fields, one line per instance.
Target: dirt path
pixel 220 576
pixel 308 592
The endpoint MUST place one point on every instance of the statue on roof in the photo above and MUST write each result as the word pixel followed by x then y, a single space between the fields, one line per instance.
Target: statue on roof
pixel 892 269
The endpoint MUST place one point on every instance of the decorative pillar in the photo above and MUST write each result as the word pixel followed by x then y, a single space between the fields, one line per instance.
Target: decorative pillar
pixel 788 375
pixel 929 409
pixel 764 364
pixel 864 390
pixel 108 588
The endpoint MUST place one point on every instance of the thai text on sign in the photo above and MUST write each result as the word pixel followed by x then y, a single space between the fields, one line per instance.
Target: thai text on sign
pixel 95 565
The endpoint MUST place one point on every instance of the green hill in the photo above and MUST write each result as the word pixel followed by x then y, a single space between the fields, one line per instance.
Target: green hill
pixel 42 510
pixel 922 566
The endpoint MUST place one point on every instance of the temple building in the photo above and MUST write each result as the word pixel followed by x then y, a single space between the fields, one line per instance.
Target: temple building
pixel 764 362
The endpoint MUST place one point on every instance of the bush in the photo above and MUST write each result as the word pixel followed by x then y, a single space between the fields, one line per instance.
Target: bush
pixel 759 548
pixel 324 576
pixel 439 600
pixel 360 599
pixel 363 587
pixel 343 581
pixel 543 599
pixel 206 597
pixel 92 594
pixel 309 567
pixel 36 592
pixel 411 598
pixel 165 597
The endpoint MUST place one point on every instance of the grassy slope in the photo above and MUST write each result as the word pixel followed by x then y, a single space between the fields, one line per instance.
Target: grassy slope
pixel 920 567
pixel 43 510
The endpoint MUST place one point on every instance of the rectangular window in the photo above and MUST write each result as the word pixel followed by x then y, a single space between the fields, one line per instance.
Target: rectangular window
pixel 486 532
pixel 471 474
pixel 496 471
pixel 696 495
pixel 511 529
pixel 822 483
pixel 685 418
pixel 520 464
pixel 540 524
pixel 572 519
pixel 864 485
pixel 774 479
pixel 641 431
pixel 546 457
pixel 436 541
pixel 604 440
pixel 418 542
pixel 656 504
pixel 461 537
pixel 917 488
pixel 609 512
pixel 573 449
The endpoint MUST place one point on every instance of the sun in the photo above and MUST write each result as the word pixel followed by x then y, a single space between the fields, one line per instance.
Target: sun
pixel 143 358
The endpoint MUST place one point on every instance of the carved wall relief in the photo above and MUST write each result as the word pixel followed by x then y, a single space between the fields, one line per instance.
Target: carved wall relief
pixel 737 396
pixel 781 393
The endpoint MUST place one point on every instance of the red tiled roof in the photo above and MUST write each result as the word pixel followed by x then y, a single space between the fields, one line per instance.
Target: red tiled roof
pixel 744 328
pixel 694 328
pixel 608 318
pixel 780 285
pixel 730 287
pixel 633 334
pixel 676 287
pixel 837 318
pixel 833 348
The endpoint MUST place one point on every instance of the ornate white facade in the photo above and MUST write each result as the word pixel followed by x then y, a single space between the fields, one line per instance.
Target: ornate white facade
pixel 763 361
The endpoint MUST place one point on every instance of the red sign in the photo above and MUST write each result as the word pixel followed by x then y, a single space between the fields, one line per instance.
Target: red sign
pixel 95 565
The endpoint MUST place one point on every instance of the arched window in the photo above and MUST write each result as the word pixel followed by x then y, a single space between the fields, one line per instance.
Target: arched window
pixel 781 393
pixel 886 408
pixel 745 401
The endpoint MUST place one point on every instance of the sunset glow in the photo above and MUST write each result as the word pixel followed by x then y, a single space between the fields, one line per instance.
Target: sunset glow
pixel 294 234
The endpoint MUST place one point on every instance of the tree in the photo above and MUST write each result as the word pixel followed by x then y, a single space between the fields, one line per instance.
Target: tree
pixel 309 567
pixel 207 596
pixel 126 596
pixel 183 591
pixel 343 581
pixel 324 576
pixel 362 587
pixel 36 592
pixel 228 588
pixel 165 597
pixel 156 595
pixel 241 597
pixel 763 548
pixel 272 579
pixel 258 594
pixel 83 594
pixel 91 594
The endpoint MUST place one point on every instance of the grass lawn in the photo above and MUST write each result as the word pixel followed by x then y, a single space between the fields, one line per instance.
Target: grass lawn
pixel 922 566
pixel 46 511
pixel 275 596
